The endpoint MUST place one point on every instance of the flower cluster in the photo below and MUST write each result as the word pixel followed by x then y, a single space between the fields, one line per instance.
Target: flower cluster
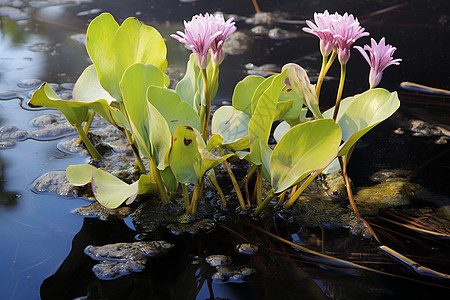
pixel 338 33
pixel 206 32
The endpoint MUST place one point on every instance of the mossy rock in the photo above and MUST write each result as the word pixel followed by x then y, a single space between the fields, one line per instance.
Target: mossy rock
pixel 388 194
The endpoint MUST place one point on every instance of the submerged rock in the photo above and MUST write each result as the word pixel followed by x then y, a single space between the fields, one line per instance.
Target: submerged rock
pixel 247 248
pixel 218 260
pixel 388 194
pixel 95 209
pixel 124 258
pixel 192 227
pixel 237 43
pixel 54 181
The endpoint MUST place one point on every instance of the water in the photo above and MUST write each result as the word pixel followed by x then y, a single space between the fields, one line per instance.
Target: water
pixel 38 232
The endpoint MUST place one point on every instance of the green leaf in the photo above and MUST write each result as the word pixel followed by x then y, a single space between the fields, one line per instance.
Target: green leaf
pixel 281 130
pixel 88 89
pixel 110 191
pixel 189 157
pixel 113 49
pixel 135 82
pixel 174 111
pixel 300 83
pixel 79 175
pixel 232 125
pixel 243 93
pixel 359 114
pixel 75 112
pixel 187 87
pixel 263 116
pixel 303 149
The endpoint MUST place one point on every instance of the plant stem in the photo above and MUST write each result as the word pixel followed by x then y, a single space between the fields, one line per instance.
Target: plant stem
pixel 281 198
pixel 300 190
pixel 222 196
pixel 246 179
pixel 87 125
pixel 255 5
pixel 259 185
pixel 156 176
pixel 350 196
pixel 234 182
pixel 264 203
pixel 339 93
pixel 92 151
pixel 197 191
pixel 135 149
pixel 185 196
pixel 321 77
pixel 205 109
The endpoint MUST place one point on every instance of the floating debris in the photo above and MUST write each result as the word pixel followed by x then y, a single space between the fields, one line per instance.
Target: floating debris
pixel 124 258
pixel 93 11
pixel 7 144
pixel 422 128
pixel 411 86
pixel 54 181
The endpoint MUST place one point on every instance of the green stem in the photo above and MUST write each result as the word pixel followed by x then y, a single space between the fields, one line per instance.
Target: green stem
pixel 156 176
pixel 350 196
pixel 221 194
pixel 205 109
pixel 234 182
pixel 92 151
pixel 321 77
pixel 87 125
pixel 339 93
pixel 185 196
pixel 195 196
pixel 300 190
pixel 259 185
pixel 264 203
pixel 135 149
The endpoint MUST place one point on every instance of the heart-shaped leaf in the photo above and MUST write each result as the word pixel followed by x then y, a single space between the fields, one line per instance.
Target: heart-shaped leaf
pixel 303 149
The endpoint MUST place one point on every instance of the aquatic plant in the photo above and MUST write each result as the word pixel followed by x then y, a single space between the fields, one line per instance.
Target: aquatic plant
pixel 127 86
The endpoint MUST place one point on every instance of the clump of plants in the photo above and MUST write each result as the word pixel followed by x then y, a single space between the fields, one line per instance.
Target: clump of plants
pixel 126 84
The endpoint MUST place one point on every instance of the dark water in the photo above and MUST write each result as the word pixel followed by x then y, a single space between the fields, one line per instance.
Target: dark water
pixel 40 237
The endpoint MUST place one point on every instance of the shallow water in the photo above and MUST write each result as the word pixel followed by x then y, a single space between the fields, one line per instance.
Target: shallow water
pixel 38 232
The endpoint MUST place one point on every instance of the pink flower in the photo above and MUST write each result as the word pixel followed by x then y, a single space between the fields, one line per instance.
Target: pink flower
pixel 323 29
pixel 203 33
pixel 225 29
pixel 380 59
pixel 199 34
pixel 346 31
